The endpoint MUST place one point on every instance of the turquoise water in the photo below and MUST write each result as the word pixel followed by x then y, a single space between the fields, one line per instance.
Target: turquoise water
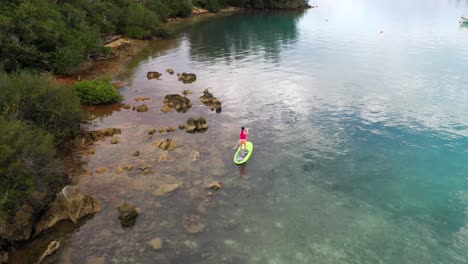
pixel 357 110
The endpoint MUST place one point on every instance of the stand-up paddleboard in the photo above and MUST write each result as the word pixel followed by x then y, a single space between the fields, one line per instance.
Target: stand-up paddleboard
pixel 241 157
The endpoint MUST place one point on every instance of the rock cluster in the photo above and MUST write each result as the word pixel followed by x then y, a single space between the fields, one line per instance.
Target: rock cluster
pixel 187 77
pixel 128 214
pixel 196 125
pixel 153 75
pixel 70 204
pixel 141 108
pixel 177 102
pixel 209 100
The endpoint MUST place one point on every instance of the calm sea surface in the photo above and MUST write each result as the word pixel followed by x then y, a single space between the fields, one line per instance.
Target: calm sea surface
pixel 358 112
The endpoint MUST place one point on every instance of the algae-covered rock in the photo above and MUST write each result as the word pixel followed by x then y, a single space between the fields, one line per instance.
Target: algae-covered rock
pixel 128 214
pixel 187 77
pixel 209 100
pixel 153 75
pixel 196 125
pixel 155 243
pixel 175 101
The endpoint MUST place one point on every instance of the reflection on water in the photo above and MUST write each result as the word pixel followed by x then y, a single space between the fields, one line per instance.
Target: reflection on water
pixel 360 142
pixel 240 36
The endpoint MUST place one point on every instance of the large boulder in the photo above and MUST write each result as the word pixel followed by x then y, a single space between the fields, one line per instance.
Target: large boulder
pixel 70 204
pixel 175 101
pixel 187 77
pixel 128 214
pixel 209 100
pixel 196 125
pixel 153 75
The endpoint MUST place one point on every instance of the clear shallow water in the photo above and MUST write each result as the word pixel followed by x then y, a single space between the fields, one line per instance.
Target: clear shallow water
pixel 360 141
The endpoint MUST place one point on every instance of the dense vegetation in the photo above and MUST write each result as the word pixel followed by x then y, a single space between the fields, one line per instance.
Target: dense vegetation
pixel 58 35
pixel 37 117
pixel 96 92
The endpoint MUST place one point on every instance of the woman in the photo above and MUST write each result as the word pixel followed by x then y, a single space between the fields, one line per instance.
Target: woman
pixel 243 138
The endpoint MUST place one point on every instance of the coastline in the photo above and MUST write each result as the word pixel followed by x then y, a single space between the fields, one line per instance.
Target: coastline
pixel 123 49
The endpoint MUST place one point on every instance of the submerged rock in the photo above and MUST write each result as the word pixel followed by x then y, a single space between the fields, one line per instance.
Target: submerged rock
pixel 165 189
pixel 70 204
pixel 119 170
pixel 151 131
pixel 167 144
pixel 215 186
pixel 192 224
pixel 114 141
pixel 195 155
pixel 187 77
pixel 142 98
pixel 170 71
pixel 170 129
pixel 136 153
pixel 102 170
pixel 128 214
pixel 161 130
pixel 153 75
pixel 51 249
pixel 127 106
pixel 155 243
pixel 196 125
pixel 186 92
pixel 177 102
pixel 129 167
pixel 209 100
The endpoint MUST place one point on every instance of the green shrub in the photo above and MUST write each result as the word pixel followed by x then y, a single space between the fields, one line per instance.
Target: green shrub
pixel 27 162
pixel 96 92
pixel 210 5
pixel 40 102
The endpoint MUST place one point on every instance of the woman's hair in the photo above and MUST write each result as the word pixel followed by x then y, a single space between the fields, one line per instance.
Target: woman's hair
pixel 242 128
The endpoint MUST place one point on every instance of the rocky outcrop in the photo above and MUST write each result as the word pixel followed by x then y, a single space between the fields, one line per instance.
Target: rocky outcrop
pixel 141 108
pixel 92 136
pixel 20 226
pixel 128 214
pixel 187 77
pixel 153 75
pixel 51 249
pixel 196 125
pixel 177 102
pixel 192 224
pixel 70 204
pixel 209 100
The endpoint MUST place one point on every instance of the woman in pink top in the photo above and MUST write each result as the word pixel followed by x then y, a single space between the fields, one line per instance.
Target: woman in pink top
pixel 243 138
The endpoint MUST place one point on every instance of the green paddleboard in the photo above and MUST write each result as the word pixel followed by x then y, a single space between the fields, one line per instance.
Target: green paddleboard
pixel 241 157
